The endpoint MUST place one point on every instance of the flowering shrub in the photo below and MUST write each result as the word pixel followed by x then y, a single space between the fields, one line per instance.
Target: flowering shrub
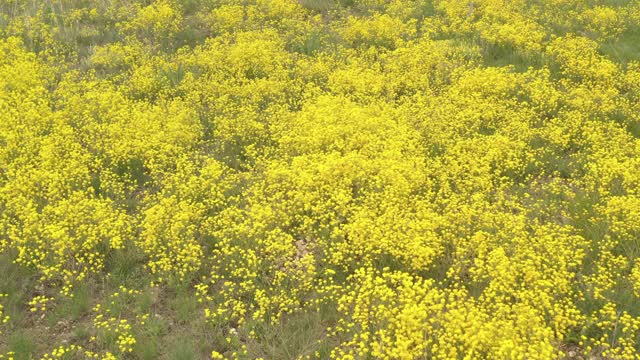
pixel 320 179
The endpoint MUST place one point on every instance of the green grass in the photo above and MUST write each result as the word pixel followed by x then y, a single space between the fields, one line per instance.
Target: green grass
pixel 18 282
pixel 185 307
pixel 625 48
pixel 126 268
pixel 499 55
pixel 183 349
pixel 81 334
pixel 146 349
pixel 75 307
pixel 295 335
pixel 22 344
pixel 318 5
pixel 149 338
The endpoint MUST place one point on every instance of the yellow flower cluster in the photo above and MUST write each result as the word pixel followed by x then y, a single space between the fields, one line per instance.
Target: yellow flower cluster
pixel 39 303
pixel 435 179
pixel 10 355
pixel 620 333
pixel 112 326
pixel 4 319
pixel 62 352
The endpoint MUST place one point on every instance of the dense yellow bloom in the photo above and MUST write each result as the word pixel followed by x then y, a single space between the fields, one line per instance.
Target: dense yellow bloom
pixel 329 179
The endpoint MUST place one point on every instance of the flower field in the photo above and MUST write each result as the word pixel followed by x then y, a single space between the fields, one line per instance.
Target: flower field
pixel 319 179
